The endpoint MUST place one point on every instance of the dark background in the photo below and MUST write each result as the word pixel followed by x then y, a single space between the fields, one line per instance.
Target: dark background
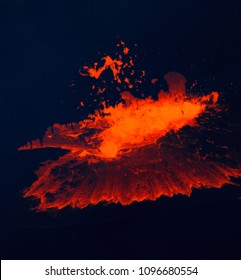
pixel 42 46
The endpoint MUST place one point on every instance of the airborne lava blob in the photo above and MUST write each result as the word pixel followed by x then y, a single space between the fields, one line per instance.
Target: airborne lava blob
pixel 124 152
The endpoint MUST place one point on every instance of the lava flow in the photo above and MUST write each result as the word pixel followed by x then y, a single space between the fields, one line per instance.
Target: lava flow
pixel 128 151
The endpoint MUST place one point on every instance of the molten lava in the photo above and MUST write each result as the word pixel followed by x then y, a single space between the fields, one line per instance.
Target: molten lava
pixel 120 154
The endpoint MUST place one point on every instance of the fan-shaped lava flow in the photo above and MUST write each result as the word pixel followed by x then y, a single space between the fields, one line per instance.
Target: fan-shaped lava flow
pixel 145 173
pixel 115 155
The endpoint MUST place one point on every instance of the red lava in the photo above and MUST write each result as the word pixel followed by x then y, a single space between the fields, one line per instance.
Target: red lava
pixel 120 154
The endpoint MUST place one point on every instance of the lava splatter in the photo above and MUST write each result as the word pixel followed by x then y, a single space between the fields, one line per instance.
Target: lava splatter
pixel 126 152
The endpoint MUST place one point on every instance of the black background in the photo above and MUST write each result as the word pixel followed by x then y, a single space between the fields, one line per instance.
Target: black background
pixel 42 46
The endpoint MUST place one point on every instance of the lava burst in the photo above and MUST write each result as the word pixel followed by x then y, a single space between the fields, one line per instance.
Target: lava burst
pixel 128 151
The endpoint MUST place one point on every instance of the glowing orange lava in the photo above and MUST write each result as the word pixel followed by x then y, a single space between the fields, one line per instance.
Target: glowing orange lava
pixel 120 154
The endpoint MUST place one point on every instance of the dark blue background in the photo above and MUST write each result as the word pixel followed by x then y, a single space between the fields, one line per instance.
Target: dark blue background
pixel 42 46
